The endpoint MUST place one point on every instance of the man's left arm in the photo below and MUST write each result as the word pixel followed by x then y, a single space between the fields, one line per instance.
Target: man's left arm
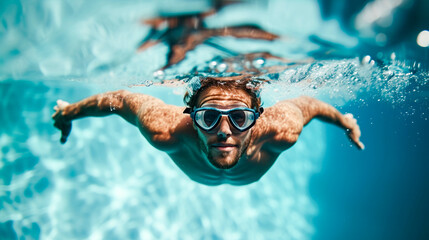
pixel 313 108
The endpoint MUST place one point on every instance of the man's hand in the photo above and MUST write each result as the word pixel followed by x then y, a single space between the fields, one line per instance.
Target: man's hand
pixel 60 122
pixel 353 130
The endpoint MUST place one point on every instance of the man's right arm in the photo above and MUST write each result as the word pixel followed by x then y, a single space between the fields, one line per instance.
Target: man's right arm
pixel 153 117
pixel 98 106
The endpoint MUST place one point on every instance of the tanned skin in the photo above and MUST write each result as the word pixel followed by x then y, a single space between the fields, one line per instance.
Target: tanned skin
pixel 223 155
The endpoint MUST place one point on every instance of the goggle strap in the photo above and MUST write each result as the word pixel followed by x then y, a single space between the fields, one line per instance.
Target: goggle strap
pixel 187 110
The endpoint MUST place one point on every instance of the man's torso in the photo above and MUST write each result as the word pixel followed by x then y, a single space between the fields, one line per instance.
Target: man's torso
pixel 253 164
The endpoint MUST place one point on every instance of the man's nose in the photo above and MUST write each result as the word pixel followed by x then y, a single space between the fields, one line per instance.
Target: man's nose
pixel 224 128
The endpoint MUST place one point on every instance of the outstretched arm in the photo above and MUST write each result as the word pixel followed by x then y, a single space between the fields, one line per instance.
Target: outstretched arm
pixel 313 108
pixel 150 114
pixel 120 102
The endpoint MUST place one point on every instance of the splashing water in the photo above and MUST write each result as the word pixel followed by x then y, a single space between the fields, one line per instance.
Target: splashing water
pixel 348 78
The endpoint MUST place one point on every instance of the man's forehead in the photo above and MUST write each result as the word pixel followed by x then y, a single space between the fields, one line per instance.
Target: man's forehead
pixel 218 96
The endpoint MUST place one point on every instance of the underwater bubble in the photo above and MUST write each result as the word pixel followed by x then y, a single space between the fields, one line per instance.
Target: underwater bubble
pixel 423 38
pixel 258 62
pixel 212 65
pixel 222 67
pixel 366 60
pixel 148 83
pixel 159 75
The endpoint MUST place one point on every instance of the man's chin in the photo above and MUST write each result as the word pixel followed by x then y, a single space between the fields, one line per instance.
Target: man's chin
pixel 224 163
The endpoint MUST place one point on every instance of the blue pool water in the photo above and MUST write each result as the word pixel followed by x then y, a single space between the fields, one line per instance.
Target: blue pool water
pixel 107 182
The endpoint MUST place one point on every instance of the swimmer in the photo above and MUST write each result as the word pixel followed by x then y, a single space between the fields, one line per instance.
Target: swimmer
pixel 223 136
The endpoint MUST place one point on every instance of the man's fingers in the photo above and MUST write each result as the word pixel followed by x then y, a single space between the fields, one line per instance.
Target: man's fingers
pixel 65 132
pixel 63 139
pixel 60 123
pixel 353 130
pixel 359 144
pixel 354 136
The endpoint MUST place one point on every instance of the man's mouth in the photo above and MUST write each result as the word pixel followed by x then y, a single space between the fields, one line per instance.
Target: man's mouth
pixel 224 147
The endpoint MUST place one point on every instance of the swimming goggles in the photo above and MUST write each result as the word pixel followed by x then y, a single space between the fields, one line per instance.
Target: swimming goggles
pixel 208 118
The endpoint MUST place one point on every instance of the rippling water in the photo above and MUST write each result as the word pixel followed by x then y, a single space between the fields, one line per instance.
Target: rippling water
pixel 107 182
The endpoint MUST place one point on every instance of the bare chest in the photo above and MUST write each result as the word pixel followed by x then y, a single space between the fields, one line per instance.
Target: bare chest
pixel 250 168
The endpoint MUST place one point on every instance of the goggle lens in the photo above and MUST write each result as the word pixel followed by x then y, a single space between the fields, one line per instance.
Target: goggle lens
pixel 207 118
pixel 241 118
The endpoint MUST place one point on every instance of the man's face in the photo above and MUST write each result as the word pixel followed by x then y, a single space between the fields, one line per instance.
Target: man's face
pixel 223 145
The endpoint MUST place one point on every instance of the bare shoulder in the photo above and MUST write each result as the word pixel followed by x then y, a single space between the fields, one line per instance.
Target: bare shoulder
pixel 279 126
pixel 163 125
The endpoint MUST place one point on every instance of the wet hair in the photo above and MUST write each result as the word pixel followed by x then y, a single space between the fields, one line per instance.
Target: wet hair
pixel 197 86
